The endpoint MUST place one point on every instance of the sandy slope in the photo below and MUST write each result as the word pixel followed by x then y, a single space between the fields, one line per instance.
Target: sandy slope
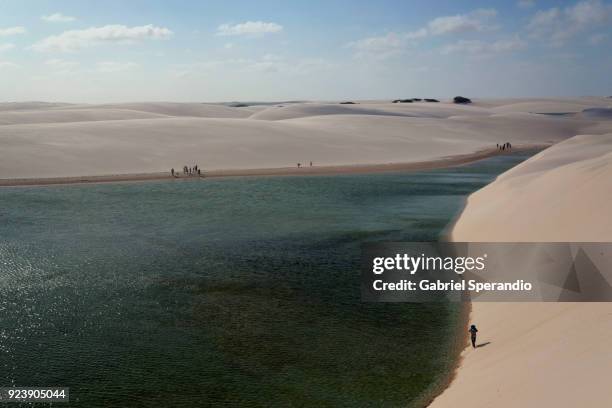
pixel 541 354
pixel 559 105
pixel 203 110
pixel 419 109
pixel 71 115
pixel 152 145
pixel 13 106
pixel 55 140
pixel 571 184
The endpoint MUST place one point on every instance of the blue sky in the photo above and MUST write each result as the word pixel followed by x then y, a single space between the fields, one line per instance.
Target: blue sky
pixel 111 51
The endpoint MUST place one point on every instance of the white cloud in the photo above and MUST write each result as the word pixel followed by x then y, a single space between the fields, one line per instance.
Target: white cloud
pixel 6 47
pixel 249 28
pixel 544 19
pixel 114 66
pixel 267 64
pixel 57 18
pixel 394 44
pixel 525 4
pixel 8 64
pixel 413 35
pixel 307 66
pixel 588 12
pixel 390 42
pixel 478 20
pixel 597 39
pixel 60 63
pixel 557 26
pixel 274 63
pixel 476 47
pixel 385 46
pixel 5 32
pixel 74 40
pixel 60 66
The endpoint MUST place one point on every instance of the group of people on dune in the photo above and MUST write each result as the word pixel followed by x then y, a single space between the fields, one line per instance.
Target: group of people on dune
pixel 299 165
pixel 505 146
pixel 187 171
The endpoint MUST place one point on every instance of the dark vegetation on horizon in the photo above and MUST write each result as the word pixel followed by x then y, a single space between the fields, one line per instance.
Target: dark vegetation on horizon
pixel 462 99
pixel 237 104
pixel 410 100
pixel 456 99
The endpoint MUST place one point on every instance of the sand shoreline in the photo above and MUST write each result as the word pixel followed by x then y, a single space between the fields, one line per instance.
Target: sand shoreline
pixel 144 140
pixel 450 161
pixel 567 182
pixel 459 343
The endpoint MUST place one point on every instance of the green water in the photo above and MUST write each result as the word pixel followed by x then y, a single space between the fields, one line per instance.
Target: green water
pixel 236 292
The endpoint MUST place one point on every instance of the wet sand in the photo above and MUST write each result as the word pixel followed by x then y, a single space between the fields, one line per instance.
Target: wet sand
pixel 444 162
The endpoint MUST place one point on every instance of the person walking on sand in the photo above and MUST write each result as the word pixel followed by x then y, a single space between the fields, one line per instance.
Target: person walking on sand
pixel 473 330
pixel 172 171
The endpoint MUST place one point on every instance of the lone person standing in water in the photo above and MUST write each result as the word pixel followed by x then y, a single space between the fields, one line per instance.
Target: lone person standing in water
pixel 473 330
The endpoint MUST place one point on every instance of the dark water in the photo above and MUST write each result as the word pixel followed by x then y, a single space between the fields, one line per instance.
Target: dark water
pixel 236 292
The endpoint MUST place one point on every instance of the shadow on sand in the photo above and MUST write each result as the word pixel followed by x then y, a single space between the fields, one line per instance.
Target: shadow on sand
pixel 483 344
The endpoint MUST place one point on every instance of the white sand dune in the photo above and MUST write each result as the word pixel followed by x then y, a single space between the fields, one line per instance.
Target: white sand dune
pixel 307 110
pixel 570 180
pixel 202 110
pixel 13 106
pixel 541 354
pixel 523 127
pixel 17 117
pixel 418 109
pixel 566 105
pixel 542 107
pixel 152 145
pixel 77 140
